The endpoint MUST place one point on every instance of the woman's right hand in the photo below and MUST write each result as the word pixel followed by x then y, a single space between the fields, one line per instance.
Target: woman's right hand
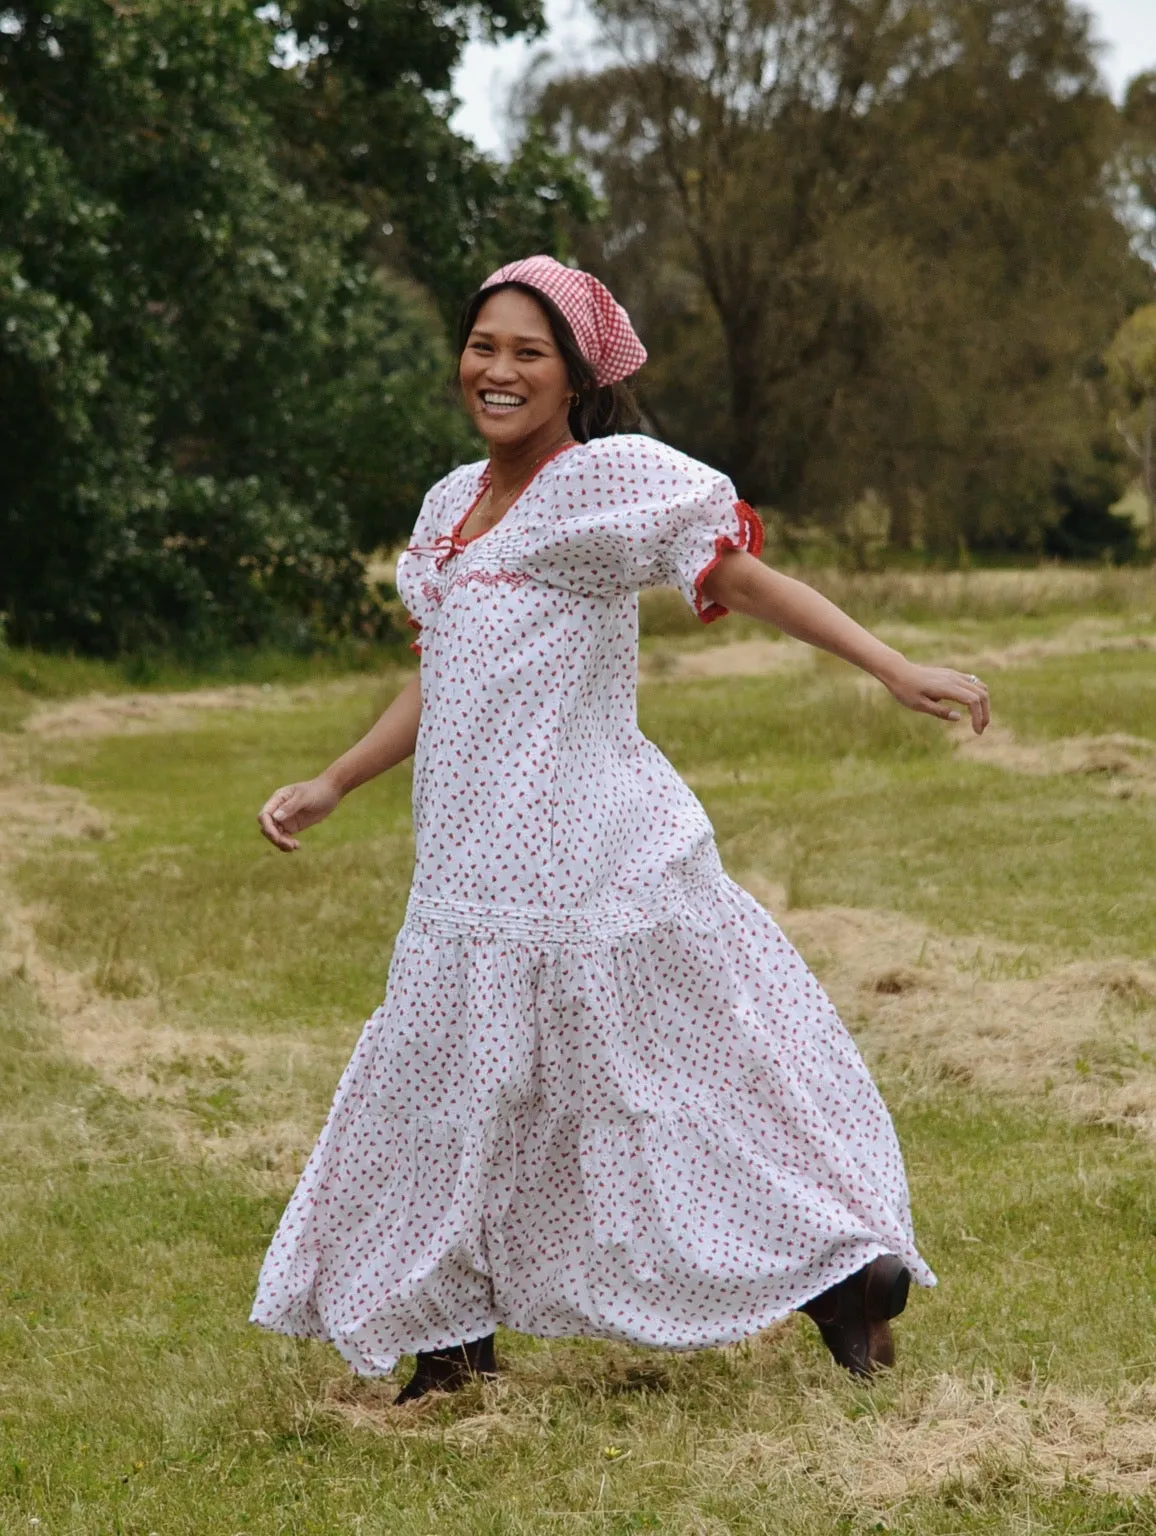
pixel 295 807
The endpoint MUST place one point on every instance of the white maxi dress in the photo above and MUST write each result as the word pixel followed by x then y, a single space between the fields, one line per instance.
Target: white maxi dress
pixel 603 1096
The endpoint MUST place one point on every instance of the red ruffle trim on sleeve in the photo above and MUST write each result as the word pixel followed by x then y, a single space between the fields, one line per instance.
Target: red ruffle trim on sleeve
pixel 752 536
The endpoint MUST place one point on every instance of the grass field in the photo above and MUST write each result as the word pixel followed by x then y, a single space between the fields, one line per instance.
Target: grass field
pixel 178 1001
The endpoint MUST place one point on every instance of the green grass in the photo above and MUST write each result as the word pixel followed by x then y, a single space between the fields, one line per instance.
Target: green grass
pixel 31 677
pixel 139 1198
pixel 1091 695
pixel 137 1398
pixel 186 843
pixel 1026 598
pixel 850 801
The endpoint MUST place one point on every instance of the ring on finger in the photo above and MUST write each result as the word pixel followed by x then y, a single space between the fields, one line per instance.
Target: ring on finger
pixel 971 677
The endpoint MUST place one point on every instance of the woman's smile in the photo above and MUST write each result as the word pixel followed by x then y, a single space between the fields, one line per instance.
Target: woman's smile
pixel 500 402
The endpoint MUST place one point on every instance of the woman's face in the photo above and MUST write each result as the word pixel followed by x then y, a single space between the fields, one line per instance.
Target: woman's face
pixel 514 379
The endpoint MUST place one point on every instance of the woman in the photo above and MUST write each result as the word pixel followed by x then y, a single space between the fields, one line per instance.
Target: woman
pixel 604 1095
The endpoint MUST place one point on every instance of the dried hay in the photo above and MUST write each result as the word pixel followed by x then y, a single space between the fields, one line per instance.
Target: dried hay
pixel 1081 1033
pixel 1081 638
pixel 484 1412
pixel 719 656
pixel 112 1018
pixel 966 1435
pixel 946 1433
pixel 32 815
pixel 172 1071
pixel 1123 765
pixel 738 658
pixel 137 714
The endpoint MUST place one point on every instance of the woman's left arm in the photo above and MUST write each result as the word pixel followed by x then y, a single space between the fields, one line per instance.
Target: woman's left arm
pixel 746 585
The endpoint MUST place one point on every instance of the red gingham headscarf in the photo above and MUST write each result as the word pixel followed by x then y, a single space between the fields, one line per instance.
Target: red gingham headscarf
pixel 601 326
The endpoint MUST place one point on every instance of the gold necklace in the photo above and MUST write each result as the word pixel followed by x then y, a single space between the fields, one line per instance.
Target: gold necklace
pixel 488 519
pixel 508 497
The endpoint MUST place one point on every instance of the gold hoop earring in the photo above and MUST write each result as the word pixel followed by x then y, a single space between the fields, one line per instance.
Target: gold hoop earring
pixel 575 399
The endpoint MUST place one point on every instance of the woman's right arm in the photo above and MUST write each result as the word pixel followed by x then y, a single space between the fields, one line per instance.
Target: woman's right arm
pixel 389 742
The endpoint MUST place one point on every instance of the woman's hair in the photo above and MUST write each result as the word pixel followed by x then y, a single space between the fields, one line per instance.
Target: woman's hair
pixel 602 409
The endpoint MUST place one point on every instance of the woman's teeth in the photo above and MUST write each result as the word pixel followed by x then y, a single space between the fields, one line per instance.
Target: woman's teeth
pixel 500 402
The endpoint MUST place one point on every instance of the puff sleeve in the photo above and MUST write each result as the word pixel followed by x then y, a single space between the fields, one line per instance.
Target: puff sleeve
pixel 720 525
pixel 636 513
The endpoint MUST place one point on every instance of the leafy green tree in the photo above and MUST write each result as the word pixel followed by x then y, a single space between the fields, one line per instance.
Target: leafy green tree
pixel 1131 363
pixel 1131 358
pixel 1136 163
pixel 207 401
pixel 868 242
pixel 370 128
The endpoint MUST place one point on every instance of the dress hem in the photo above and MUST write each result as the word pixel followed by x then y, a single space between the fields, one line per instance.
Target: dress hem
pixel 718 1338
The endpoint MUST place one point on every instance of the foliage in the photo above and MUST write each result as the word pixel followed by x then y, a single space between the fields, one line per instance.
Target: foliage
pixel 370 129
pixel 1087 528
pixel 1131 363
pixel 1136 163
pixel 1132 356
pixel 207 399
pixel 224 286
pixel 838 227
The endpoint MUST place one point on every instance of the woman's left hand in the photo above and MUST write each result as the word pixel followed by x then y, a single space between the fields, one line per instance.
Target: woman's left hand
pixel 933 690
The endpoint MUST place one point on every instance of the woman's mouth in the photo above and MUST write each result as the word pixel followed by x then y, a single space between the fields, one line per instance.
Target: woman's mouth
pixel 498 402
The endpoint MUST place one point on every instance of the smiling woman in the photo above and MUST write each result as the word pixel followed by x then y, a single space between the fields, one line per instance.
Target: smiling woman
pixel 604 1095
pixel 598 402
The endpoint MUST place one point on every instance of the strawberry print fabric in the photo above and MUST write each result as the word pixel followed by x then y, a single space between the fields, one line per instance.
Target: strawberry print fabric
pixel 604 1095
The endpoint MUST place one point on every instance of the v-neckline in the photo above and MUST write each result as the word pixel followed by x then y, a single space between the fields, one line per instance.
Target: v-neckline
pixel 459 541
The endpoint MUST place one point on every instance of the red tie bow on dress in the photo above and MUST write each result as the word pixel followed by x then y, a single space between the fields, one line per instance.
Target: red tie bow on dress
pixel 601 326
pixel 443 549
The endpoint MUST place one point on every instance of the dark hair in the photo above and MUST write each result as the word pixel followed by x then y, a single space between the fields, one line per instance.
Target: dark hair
pixel 602 409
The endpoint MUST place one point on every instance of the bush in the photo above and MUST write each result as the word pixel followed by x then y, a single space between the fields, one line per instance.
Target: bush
pixel 207 403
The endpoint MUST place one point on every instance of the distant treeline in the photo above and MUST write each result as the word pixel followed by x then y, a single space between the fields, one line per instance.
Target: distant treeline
pixel 879 250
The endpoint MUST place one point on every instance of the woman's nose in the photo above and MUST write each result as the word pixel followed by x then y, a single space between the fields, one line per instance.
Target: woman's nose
pixel 501 368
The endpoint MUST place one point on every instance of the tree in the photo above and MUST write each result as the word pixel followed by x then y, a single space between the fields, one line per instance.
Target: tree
pixel 1136 163
pixel 1131 358
pixel 1131 363
pixel 207 401
pixel 370 129
pixel 838 223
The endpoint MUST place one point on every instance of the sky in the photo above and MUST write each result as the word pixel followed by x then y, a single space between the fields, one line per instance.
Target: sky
pixel 487 74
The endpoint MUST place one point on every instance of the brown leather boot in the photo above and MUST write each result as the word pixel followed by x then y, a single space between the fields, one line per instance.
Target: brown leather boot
pixel 447 1370
pixel 854 1317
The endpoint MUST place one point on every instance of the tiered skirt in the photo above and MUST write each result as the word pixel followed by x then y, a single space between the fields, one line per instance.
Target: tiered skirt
pixel 659 1134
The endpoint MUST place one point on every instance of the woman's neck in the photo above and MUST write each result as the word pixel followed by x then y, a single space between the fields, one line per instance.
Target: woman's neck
pixel 512 464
